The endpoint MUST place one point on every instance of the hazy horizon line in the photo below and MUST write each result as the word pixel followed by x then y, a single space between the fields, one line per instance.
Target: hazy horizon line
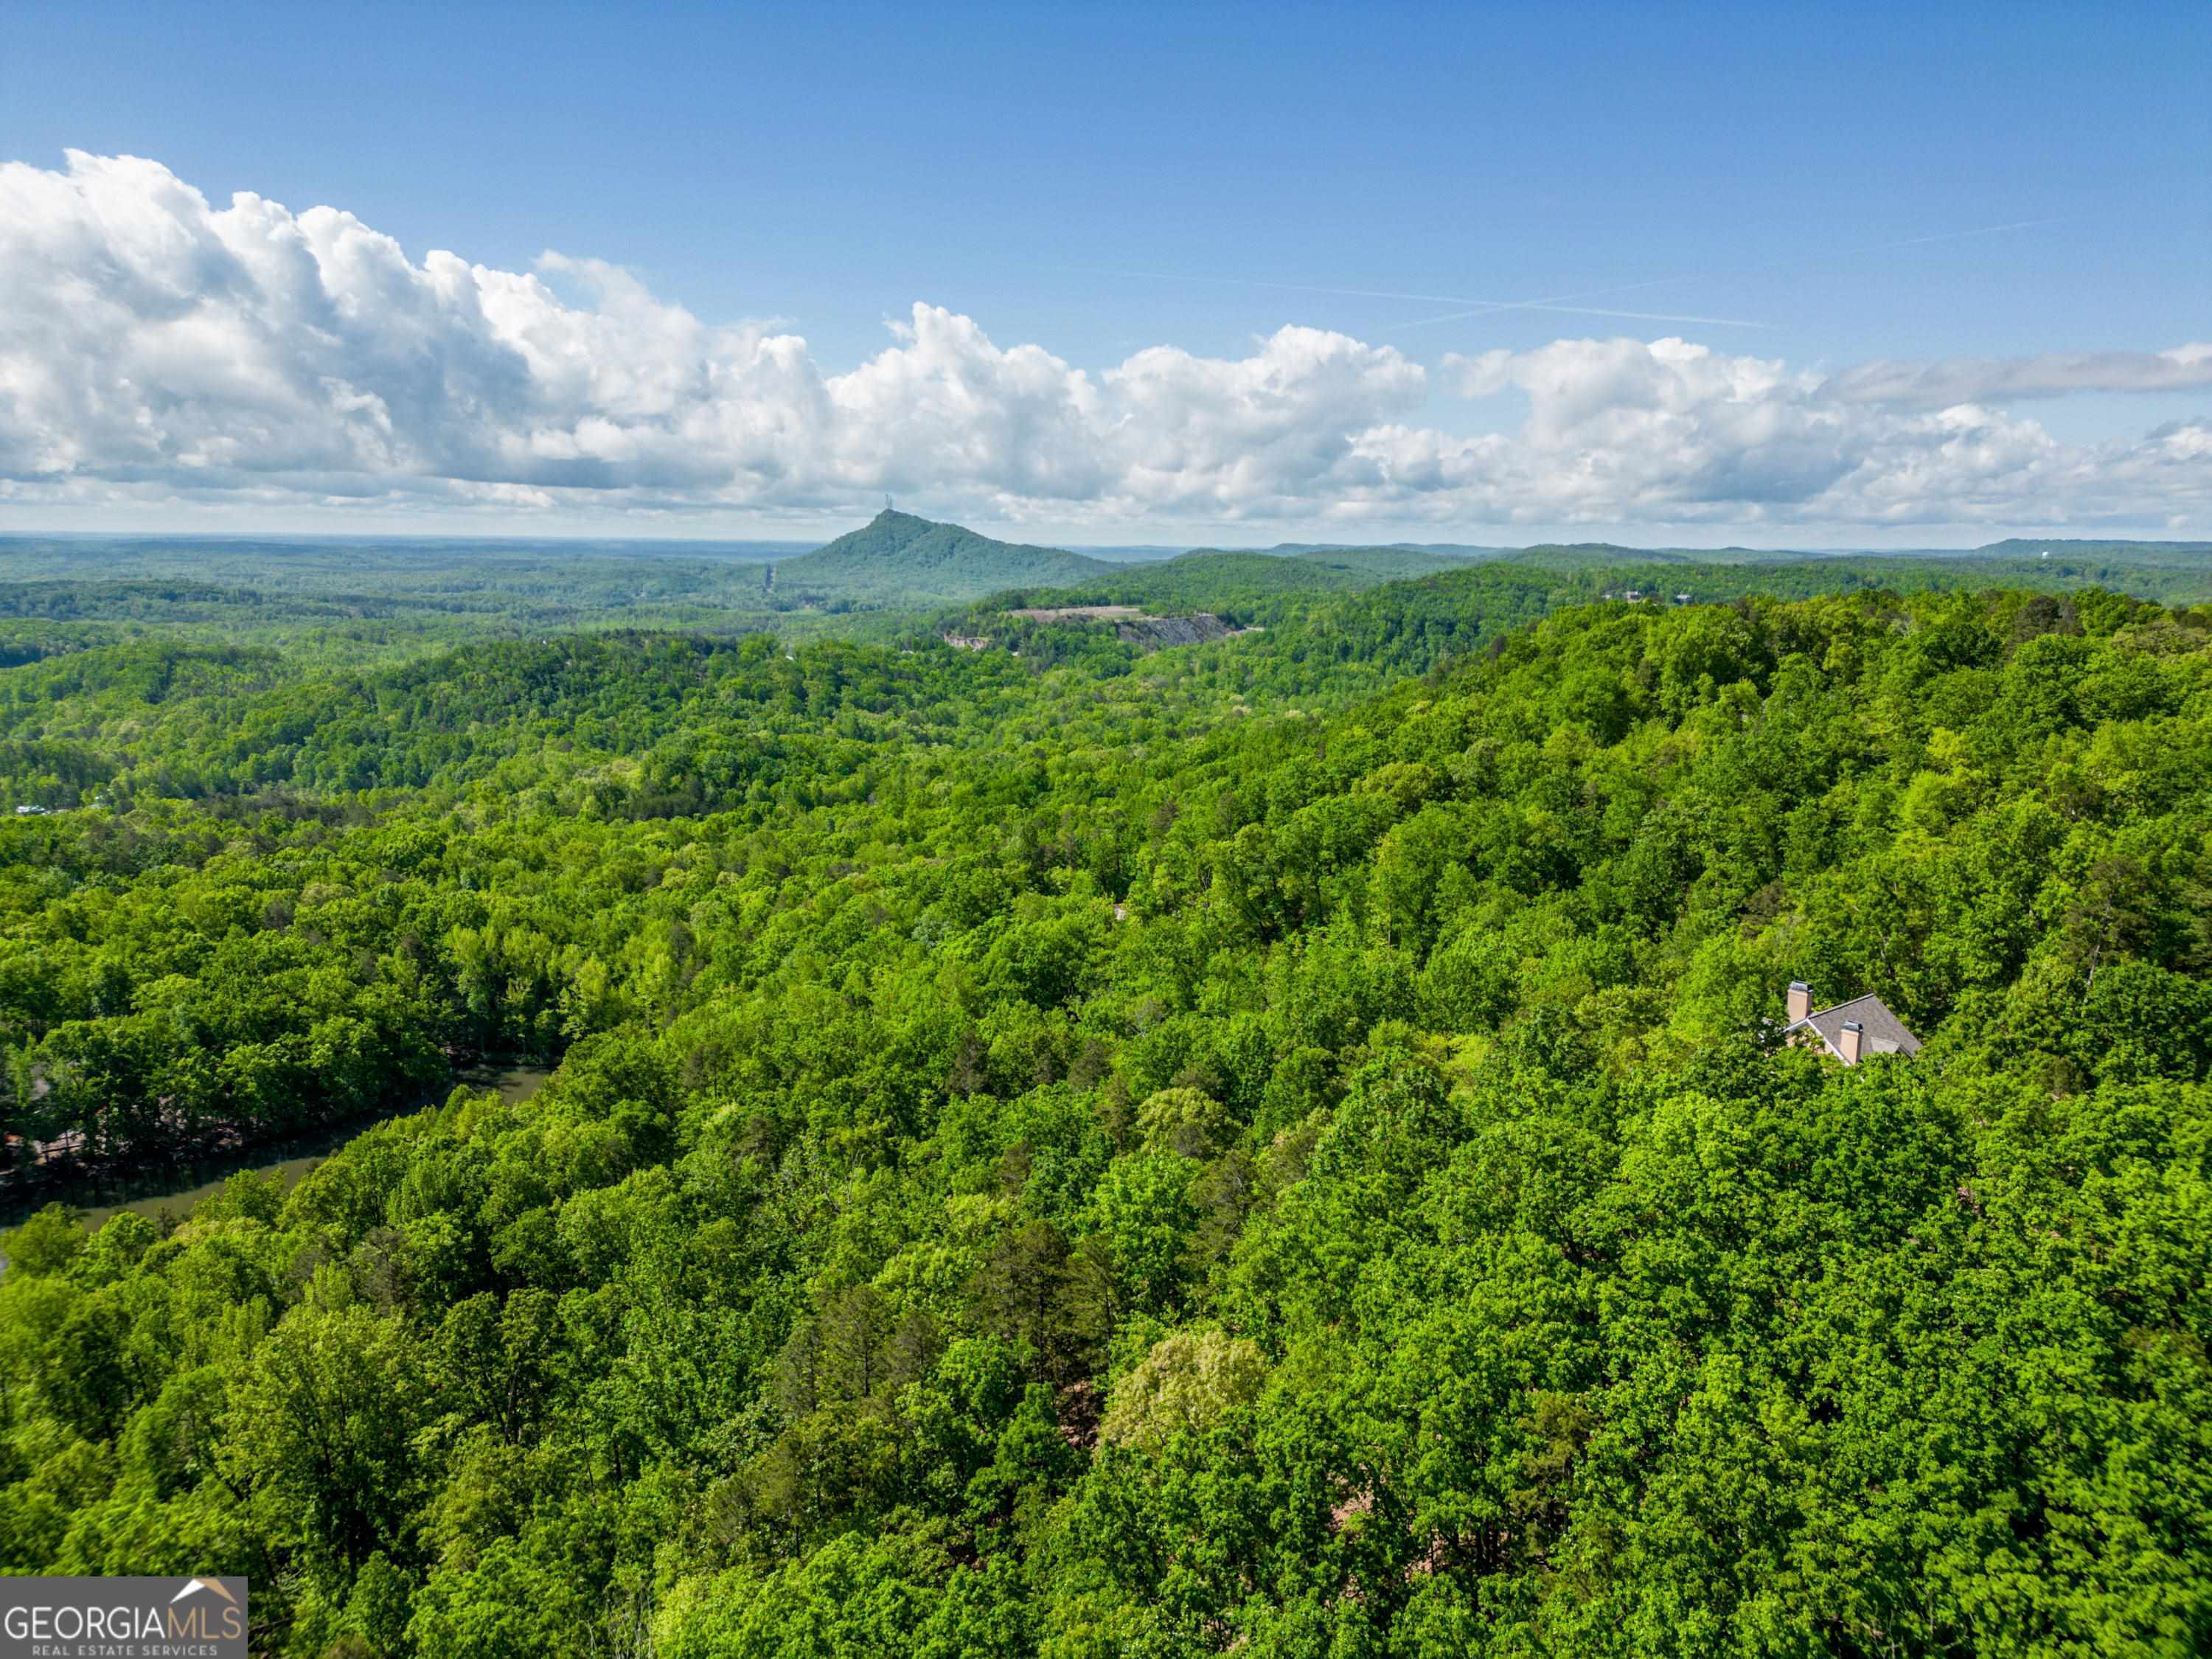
pixel 216 538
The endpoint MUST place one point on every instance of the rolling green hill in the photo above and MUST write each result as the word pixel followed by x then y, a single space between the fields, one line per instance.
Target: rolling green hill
pixel 1135 1156
pixel 1387 564
pixel 897 558
pixel 2169 556
pixel 1441 550
pixel 1242 587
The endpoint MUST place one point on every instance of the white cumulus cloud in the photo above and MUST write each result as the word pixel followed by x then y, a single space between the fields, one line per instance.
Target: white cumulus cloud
pixel 155 347
pixel 2053 374
pixel 1671 431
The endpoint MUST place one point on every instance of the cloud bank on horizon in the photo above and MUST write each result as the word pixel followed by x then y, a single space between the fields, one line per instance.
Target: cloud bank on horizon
pixel 154 347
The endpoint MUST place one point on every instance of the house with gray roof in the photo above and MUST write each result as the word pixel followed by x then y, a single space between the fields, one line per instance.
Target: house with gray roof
pixel 1850 1031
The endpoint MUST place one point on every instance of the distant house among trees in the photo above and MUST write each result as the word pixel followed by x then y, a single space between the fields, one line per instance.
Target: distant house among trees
pixel 1850 1031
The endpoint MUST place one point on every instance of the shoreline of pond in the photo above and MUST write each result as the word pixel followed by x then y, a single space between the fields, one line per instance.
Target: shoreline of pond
pixel 179 1188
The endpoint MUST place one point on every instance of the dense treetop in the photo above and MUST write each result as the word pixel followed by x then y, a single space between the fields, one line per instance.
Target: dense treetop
pixel 1279 1147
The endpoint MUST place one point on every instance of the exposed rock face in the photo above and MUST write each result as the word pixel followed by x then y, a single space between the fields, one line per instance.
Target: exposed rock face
pixel 1066 613
pixel 1133 626
pixel 1173 630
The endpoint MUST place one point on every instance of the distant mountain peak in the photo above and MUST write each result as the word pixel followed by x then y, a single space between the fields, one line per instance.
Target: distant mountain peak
pixel 900 555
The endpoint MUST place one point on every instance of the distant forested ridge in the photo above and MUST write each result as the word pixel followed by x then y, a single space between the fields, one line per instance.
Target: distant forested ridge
pixel 328 603
pixel 1278 1146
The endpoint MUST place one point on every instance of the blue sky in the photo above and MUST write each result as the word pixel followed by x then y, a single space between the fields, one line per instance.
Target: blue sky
pixel 1100 181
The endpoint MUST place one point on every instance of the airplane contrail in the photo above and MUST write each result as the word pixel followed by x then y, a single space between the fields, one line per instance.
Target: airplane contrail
pixel 1554 303
pixel 1565 303
pixel 1485 308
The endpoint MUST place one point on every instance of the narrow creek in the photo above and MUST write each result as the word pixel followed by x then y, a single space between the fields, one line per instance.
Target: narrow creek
pixel 514 1084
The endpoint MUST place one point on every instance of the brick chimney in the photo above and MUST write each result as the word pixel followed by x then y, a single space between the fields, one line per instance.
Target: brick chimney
pixel 1800 1000
pixel 1847 1041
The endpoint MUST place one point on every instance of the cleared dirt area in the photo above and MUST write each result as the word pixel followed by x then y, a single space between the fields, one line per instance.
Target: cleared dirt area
pixel 1081 613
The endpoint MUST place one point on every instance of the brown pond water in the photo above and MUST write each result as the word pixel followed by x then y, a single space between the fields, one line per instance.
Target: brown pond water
pixel 514 1084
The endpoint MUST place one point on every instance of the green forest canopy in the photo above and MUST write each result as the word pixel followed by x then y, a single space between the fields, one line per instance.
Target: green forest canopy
pixel 1276 1147
pixel 333 603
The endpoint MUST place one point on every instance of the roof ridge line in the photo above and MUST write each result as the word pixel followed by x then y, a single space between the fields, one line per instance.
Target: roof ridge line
pixel 1862 997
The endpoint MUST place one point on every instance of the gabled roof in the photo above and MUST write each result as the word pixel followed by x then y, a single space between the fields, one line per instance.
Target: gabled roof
pixel 1881 1032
